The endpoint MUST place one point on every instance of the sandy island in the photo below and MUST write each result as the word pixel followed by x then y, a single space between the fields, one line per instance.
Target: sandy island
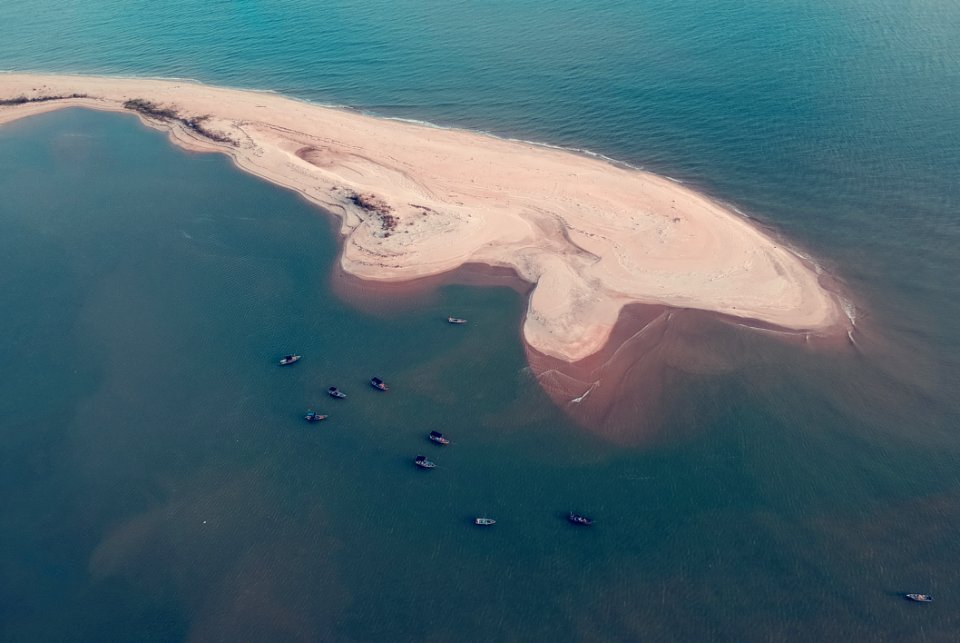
pixel 416 200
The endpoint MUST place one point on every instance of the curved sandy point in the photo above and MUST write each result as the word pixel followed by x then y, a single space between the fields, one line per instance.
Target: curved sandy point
pixel 417 201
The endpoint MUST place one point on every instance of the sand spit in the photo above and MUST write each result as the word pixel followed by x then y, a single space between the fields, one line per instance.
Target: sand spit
pixel 416 201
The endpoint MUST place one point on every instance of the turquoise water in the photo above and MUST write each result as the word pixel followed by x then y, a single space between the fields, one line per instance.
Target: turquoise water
pixel 788 494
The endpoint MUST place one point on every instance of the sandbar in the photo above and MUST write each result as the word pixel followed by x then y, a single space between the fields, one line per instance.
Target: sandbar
pixel 416 201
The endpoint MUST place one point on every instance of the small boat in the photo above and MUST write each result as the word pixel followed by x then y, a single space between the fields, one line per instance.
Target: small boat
pixel 456 320
pixel 286 360
pixel 436 436
pixel 422 462
pixel 333 391
pixel 577 519
pixel 484 522
pixel 313 416
pixel 919 598
pixel 378 384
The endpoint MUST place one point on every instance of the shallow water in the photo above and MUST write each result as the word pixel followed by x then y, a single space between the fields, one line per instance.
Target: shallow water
pixel 779 492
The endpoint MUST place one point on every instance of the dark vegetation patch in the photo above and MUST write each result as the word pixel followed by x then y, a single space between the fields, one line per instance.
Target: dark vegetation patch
pixel 375 205
pixel 22 100
pixel 167 114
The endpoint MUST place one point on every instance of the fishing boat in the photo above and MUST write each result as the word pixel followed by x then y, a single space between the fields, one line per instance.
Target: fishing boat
pixel 286 360
pixel 919 598
pixel 333 391
pixel 484 522
pixel 577 519
pixel 456 320
pixel 436 436
pixel 378 384
pixel 313 416
pixel 422 462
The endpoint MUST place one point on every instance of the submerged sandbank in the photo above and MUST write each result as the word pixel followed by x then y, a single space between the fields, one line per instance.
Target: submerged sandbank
pixel 417 201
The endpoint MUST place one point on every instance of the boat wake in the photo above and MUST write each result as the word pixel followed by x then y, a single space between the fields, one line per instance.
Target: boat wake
pixel 577 400
pixel 849 309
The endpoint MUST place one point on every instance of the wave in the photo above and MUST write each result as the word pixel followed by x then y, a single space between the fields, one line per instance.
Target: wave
pixel 583 396
pixel 849 309
pixel 576 150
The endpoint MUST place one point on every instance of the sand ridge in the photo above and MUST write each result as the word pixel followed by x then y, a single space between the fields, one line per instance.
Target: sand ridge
pixel 416 201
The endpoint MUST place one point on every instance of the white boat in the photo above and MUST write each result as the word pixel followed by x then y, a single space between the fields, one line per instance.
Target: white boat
pixel 334 392
pixel 577 519
pixel 484 522
pixel 436 436
pixel 286 360
pixel 920 598
pixel 422 462
pixel 456 320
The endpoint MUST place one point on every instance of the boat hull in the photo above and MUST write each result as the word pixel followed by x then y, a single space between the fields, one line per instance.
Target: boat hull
pixel 919 598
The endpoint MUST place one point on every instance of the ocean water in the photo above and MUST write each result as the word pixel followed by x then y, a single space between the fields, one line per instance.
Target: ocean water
pixel 158 483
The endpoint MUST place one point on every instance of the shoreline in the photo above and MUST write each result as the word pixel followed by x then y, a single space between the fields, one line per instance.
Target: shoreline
pixel 585 152
pixel 589 235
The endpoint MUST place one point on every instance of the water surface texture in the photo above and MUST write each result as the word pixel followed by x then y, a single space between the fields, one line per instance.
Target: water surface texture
pixel 159 483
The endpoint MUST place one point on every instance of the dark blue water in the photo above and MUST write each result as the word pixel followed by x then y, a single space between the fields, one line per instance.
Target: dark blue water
pixel 789 494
